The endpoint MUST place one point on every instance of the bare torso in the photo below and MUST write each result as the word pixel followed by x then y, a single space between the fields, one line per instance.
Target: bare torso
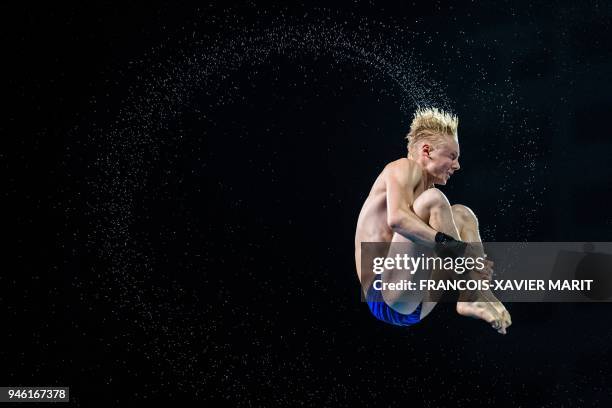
pixel 400 184
pixel 372 224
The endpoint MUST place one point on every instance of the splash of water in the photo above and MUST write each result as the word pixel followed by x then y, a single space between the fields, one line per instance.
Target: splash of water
pixel 128 147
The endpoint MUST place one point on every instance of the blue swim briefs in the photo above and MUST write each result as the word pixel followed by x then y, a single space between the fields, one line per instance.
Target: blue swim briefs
pixel 384 312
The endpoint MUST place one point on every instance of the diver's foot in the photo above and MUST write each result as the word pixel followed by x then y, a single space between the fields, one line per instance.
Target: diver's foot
pixel 493 313
pixel 501 309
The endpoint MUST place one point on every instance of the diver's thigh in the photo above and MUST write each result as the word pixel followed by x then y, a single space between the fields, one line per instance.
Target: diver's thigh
pixel 408 253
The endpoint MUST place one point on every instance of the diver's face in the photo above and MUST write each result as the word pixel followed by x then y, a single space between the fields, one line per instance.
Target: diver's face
pixel 443 160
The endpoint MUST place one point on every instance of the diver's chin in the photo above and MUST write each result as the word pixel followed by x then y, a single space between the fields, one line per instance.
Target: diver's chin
pixel 442 181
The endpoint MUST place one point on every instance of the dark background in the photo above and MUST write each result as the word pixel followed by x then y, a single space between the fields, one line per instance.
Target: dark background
pixel 173 237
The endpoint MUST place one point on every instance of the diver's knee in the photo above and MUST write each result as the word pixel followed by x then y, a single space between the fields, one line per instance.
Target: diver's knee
pixel 433 197
pixel 463 214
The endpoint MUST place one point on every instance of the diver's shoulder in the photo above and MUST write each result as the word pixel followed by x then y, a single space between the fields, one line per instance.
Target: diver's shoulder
pixel 403 164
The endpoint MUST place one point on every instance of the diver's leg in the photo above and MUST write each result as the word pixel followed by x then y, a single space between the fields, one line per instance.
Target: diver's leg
pixel 477 303
pixel 432 207
pixel 402 301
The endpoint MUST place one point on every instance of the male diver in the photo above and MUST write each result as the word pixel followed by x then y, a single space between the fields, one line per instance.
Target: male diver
pixel 404 207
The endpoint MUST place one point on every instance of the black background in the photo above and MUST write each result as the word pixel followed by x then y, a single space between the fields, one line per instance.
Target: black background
pixel 207 254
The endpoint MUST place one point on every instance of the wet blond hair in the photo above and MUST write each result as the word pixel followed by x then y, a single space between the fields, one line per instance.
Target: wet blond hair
pixel 431 124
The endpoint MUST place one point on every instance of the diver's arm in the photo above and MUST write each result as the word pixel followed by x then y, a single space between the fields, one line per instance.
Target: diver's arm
pixel 401 179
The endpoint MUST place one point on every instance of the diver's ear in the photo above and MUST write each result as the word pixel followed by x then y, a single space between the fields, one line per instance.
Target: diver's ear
pixel 426 150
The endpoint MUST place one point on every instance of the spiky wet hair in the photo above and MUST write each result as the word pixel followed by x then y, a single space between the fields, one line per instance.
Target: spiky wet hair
pixel 430 124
